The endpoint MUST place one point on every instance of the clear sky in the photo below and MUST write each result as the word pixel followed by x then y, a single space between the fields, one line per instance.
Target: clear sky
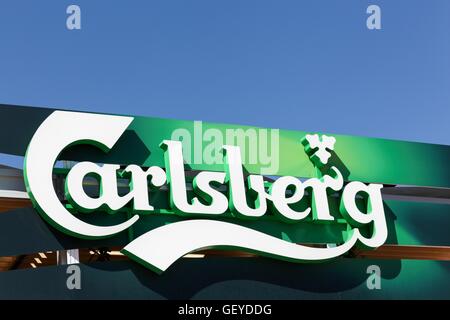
pixel 306 65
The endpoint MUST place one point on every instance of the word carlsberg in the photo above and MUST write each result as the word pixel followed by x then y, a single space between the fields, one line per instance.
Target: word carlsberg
pixel 63 129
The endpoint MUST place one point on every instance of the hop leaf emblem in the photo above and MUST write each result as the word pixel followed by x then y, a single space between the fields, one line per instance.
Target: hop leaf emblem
pixel 317 147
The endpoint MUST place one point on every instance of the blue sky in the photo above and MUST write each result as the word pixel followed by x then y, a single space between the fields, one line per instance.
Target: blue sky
pixel 306 65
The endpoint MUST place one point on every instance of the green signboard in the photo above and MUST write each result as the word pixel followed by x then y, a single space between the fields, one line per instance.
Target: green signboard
pixel 161 189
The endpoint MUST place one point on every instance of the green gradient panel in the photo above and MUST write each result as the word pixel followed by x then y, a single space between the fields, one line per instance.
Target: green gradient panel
pixel 358 158
pixel 362 159
pixel 417 223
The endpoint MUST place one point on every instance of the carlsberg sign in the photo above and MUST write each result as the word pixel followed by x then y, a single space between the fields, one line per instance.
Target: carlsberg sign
pixel 230 192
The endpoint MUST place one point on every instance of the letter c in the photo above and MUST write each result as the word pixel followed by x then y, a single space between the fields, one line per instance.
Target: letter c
pixel 60 130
